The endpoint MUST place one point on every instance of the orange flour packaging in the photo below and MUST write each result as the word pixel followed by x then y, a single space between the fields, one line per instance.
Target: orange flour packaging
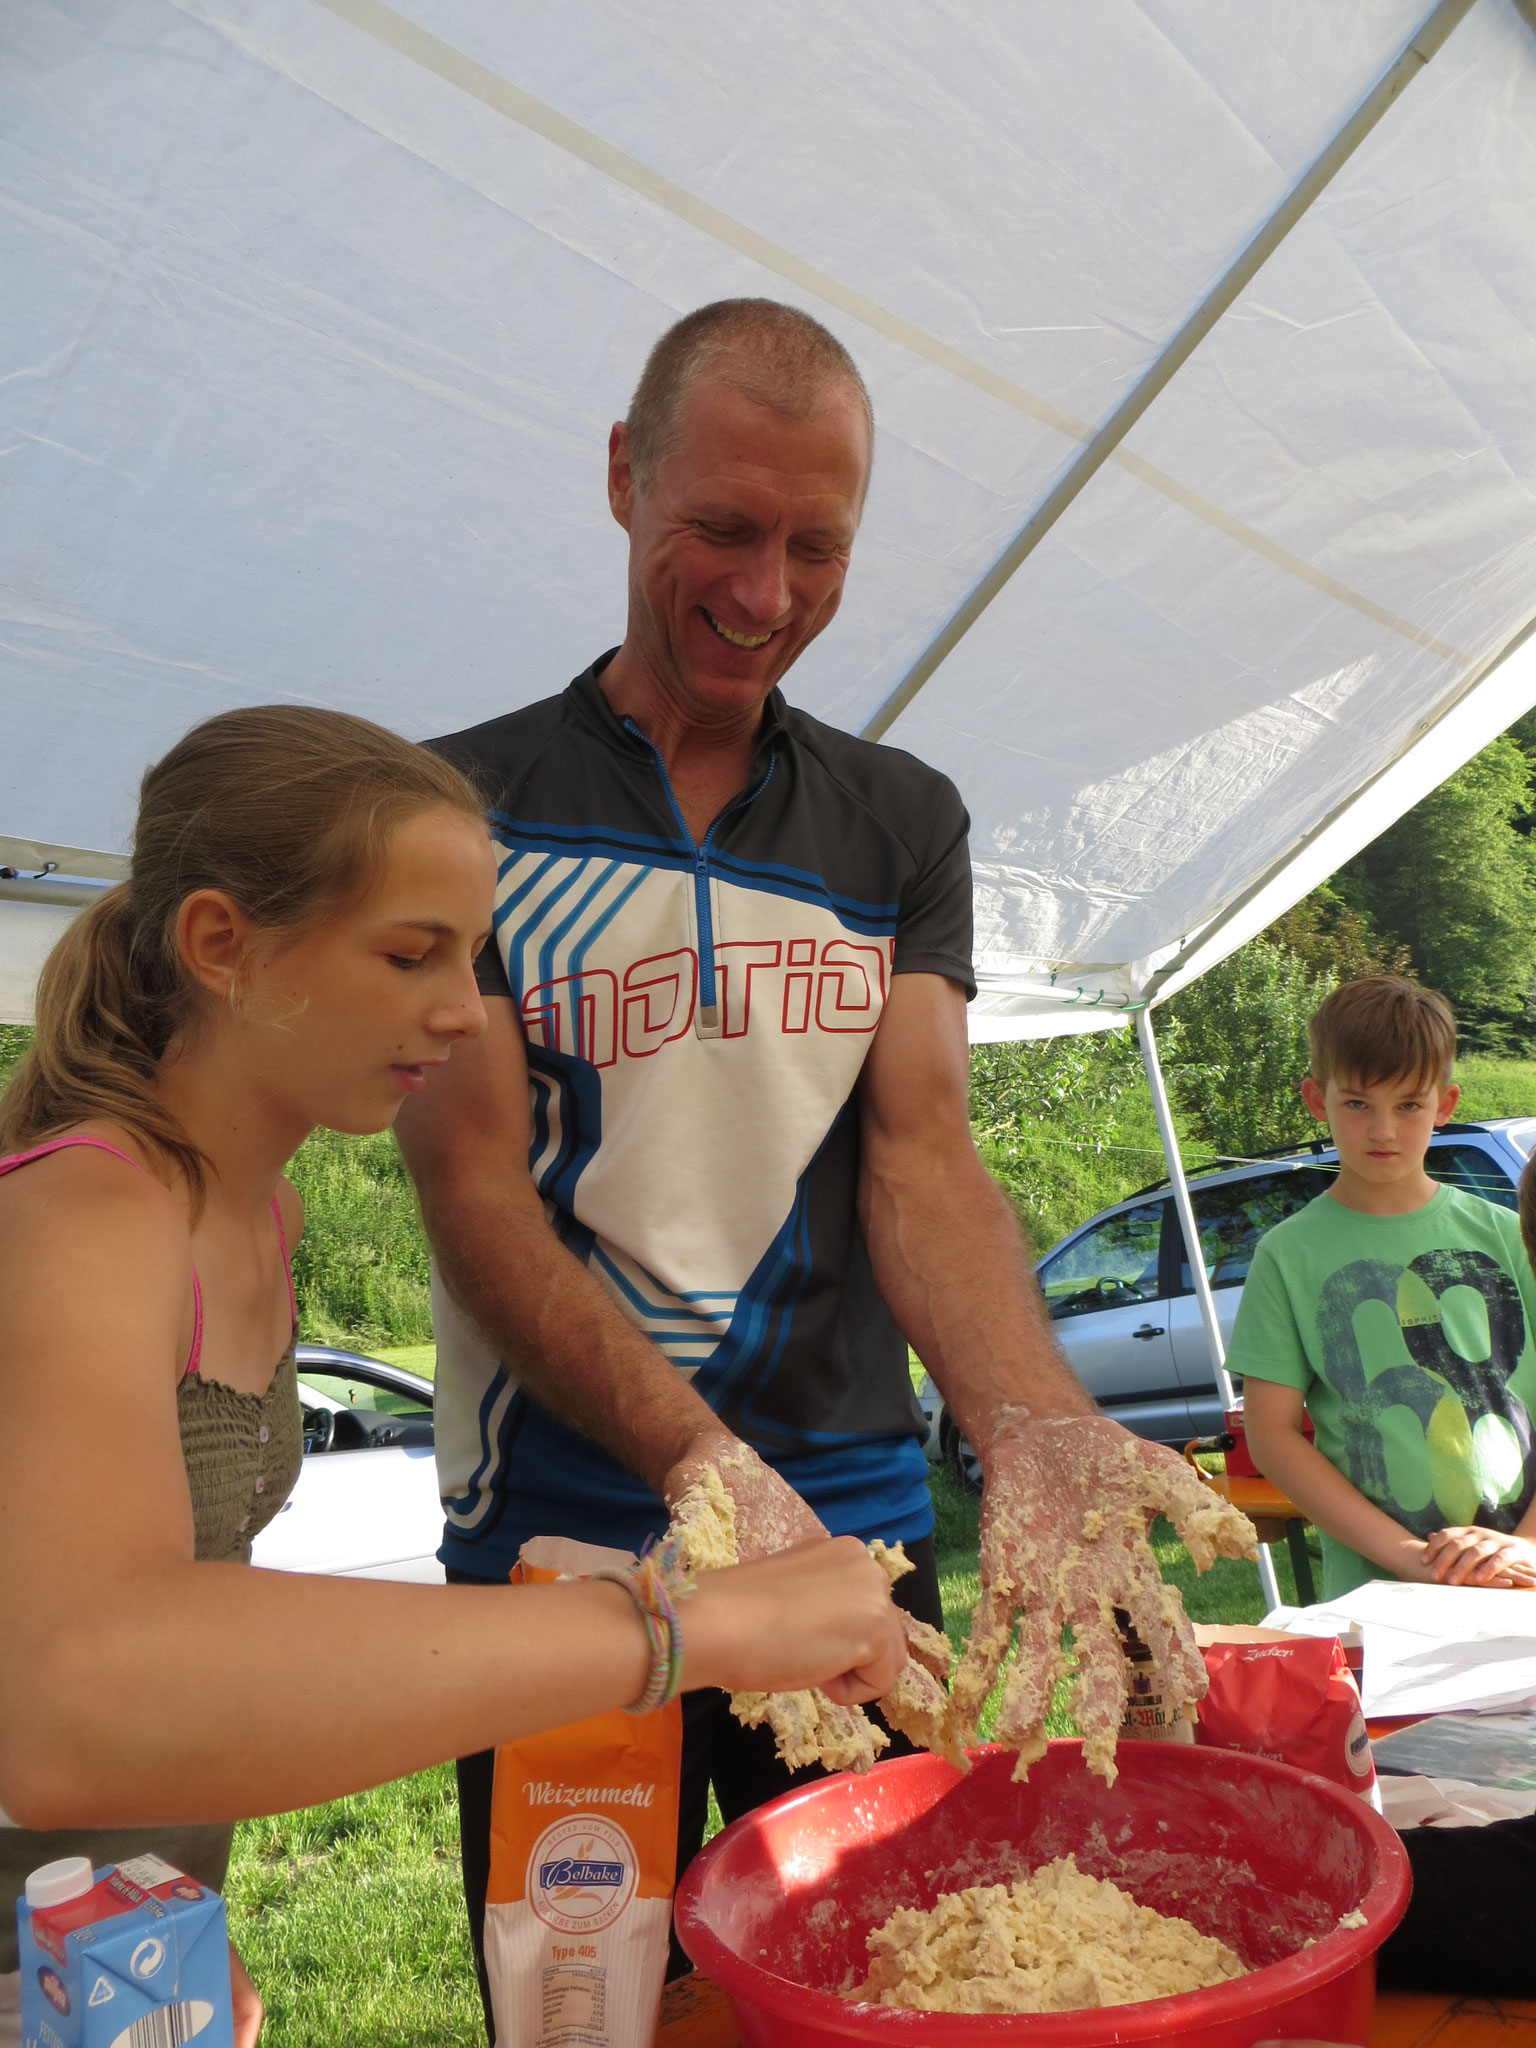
pixel 583 1853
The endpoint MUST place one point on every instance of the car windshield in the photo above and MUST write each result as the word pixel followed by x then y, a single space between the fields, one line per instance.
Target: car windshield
pixel 361 1395
pixel 1470 1168
pixel 1234 1216
pixel 1113 1265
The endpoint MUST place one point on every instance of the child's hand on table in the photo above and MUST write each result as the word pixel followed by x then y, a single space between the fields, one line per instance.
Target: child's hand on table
pixel 1480 1557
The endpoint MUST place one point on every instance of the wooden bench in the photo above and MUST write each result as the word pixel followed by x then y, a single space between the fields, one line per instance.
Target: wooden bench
pixel 1275 1518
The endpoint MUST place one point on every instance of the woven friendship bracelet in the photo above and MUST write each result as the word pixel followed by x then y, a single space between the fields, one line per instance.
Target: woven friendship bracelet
pixel 656 1584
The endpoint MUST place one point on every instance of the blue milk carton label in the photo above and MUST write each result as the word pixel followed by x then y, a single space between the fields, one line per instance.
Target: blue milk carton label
pixel 139 1961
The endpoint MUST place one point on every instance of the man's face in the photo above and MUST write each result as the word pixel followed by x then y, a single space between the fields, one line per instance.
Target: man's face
pixel 1382 1129
pixel 739 545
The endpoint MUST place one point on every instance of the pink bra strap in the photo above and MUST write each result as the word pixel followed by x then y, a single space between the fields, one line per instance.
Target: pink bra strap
pixel 101 1145
pixel 282 1240
pixel 62 1145
pixel 195 1355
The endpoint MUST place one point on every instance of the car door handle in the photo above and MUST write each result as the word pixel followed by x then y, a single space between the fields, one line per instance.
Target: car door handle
pixel 1150 1330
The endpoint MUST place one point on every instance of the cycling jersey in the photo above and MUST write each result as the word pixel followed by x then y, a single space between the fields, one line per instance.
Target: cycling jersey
pixel 696 1017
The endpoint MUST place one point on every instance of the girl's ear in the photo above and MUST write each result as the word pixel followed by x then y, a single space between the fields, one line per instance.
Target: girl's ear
pixel 212 934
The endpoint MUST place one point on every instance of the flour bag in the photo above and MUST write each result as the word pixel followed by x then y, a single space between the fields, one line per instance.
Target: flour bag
pixel 583 1854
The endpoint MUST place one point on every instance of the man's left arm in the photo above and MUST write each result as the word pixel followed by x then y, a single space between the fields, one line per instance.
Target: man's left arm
pixel 947 1250
pixel 1069 1495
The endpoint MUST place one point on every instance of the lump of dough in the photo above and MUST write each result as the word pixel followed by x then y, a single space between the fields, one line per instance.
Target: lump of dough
pixel 1055 1941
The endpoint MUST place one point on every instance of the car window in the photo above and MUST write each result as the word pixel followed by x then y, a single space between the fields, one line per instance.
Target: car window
pixel 360 1395
pixel 1470 1168
pixel 1114 1265
pixel 1233 1217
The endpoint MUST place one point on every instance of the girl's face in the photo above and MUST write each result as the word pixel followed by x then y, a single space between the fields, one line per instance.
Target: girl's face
pixel 343 1023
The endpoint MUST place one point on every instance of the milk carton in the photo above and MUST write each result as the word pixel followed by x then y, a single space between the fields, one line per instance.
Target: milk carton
pixel 135 1956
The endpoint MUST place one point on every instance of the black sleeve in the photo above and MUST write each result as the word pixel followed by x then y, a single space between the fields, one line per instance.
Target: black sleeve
pixel 455 747
pixel 1473 1891
pixel 490 974
pixel 933 926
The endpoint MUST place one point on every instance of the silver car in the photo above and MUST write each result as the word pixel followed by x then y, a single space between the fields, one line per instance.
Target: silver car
pixel 1120 1295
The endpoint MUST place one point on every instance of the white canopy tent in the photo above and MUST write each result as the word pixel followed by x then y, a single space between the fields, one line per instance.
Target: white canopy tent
pixel 1202 536
pixel 1202 341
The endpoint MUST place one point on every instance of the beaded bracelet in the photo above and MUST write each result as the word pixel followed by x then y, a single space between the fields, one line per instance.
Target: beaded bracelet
pixel 656 1583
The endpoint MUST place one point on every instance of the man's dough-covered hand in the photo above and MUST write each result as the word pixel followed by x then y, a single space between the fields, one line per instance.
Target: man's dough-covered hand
pixel 1066 1510
pixel 769 1514
pixel 729 1507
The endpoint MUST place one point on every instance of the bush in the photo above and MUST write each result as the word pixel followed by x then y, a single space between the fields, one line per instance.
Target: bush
pixel 1243 1048
pixel 1065 1125
pixel 361 1267
pixel 14 1040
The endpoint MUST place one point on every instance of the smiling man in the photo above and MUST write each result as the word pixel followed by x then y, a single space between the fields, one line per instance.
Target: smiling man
pixel 709 1169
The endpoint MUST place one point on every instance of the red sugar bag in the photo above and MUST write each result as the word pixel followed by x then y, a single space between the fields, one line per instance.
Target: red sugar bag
pixel 1294 1701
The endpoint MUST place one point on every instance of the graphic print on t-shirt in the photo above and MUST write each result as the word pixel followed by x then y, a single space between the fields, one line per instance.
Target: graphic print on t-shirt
pixel 1422 1356
pixel 602 958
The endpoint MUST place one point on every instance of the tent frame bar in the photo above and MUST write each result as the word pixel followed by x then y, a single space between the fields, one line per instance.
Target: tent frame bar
pixel 1478 673
pixel 1421 47
pixel 1197 1272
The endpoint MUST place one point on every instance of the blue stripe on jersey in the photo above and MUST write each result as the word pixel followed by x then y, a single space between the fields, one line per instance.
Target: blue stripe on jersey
pixel 877 920
pixel 469 1509
pixel 525 835
pixel 763 1319
pixel 579 1090
pixel 562 929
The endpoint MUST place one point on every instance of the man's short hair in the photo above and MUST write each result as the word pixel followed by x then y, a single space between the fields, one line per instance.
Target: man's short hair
pixel 1380 1027
pixel 773 354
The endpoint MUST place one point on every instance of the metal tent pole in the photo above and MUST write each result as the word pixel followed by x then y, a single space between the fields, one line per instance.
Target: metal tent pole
pixel 1197 1272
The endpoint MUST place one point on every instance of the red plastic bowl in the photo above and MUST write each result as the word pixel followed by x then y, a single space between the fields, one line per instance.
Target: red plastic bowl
pixel 777 1908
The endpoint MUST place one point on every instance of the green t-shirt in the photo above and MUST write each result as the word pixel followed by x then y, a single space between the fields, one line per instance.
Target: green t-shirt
pixel 1410 1337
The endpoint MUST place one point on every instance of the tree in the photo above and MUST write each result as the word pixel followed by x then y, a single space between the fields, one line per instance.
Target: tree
pixel 1243 1048
pixel 1332 936
pixel 1455 882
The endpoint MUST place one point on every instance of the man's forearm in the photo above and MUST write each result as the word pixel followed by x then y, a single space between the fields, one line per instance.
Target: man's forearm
pixel 952 1263
pixel 570 1344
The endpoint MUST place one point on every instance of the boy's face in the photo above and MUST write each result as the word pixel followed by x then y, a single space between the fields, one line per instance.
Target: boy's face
pixel 1382 1130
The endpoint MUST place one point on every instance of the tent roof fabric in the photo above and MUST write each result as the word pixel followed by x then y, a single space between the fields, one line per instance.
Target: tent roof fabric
pixel 1202 344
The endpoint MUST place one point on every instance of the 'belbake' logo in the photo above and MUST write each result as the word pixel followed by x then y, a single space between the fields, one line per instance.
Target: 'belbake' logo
pixel 581 1874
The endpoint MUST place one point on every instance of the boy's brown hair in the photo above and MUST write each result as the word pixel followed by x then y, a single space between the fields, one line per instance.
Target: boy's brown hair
pixel 1379 1027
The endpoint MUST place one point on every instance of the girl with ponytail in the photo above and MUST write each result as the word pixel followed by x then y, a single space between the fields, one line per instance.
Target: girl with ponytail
pixel 294 947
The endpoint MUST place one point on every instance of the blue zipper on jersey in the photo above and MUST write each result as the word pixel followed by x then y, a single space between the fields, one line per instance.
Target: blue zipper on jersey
pixel 704 916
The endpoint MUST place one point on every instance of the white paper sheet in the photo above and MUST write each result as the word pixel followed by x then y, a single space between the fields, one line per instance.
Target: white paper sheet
pixel 1431 1649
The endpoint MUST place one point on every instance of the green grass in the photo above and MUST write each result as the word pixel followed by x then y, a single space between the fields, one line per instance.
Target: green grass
pixel 350 1916
pixel 1492 1087
pixel 420 1358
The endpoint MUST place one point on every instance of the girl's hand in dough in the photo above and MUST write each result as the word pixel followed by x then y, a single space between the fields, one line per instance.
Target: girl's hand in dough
pixel 818 1615
pixel 1065 1513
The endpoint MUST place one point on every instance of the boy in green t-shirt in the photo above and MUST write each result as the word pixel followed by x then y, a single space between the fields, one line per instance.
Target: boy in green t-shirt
pixel 1398 1314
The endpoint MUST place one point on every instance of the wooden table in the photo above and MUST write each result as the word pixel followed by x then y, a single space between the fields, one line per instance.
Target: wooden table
pixel 1274 1517
pixel 695 2014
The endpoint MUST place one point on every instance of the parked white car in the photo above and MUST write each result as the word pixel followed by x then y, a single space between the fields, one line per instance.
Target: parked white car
pixel 366 1502
pixel 1122 1300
